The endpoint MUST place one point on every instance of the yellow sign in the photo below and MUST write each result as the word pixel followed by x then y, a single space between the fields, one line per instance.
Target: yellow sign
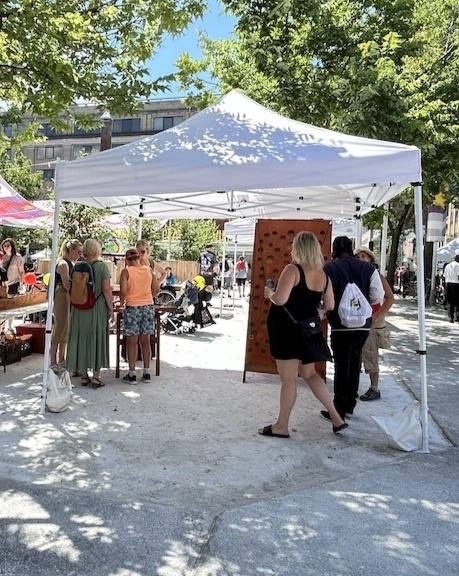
pixel 439 200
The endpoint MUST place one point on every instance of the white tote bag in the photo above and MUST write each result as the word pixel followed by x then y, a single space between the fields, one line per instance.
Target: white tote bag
pixel 354 309
pixel 59 391
pixel 403 428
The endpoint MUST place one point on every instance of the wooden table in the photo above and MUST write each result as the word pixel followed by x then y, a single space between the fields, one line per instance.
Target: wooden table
pixel 154 339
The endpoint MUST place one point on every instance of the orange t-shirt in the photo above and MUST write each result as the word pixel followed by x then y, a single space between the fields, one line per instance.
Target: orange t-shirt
pixel 138 291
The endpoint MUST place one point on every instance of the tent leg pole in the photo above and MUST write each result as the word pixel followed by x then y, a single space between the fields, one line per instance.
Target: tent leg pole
pixel 421 315
pixel 234 272
pixel 139 229
pixel 358 232
pixel 222 275
pixel 49 315
pixel 383 259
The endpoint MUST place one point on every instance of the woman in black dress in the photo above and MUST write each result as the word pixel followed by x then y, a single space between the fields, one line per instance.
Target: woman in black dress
pixel 300 289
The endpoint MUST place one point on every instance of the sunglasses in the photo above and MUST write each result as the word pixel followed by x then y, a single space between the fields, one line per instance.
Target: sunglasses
pixel 142 251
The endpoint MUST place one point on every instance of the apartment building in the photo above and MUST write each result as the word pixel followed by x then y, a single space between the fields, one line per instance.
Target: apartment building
pixel 154 116
pixel 452 223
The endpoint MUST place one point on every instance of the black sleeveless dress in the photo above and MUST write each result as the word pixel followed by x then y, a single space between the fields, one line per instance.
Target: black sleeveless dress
pixel 285 341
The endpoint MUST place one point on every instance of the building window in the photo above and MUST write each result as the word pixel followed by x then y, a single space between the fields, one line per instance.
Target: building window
pixel 47 130
pixel 82 132
pixel 48 152
pixel 165 122
pixel 85 150
pixel 48 175
pixel 10 129
pixel 126 125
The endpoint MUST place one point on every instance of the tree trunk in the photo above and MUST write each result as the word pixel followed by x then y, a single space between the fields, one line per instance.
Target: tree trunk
pixel 396 232
pixel 428 253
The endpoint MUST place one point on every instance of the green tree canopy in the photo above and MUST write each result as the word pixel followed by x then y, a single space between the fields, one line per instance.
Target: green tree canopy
pixel 56 52
pixel 384 69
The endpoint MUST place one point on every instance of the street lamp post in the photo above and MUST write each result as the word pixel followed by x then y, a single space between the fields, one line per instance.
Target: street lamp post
pixel 106 131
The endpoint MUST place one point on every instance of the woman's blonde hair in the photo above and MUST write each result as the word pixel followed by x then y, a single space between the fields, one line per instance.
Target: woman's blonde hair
pixel 306 250
pixel 143 243
pixel 67 246
pixel 91 249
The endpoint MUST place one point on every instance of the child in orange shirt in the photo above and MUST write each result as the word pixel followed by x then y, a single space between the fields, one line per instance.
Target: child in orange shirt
pixel 138 287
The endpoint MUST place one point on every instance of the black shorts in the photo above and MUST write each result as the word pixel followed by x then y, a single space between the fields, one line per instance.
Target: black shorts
pixel 241 281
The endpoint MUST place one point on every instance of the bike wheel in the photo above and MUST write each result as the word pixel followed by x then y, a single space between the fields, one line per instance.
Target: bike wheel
pixel 164 298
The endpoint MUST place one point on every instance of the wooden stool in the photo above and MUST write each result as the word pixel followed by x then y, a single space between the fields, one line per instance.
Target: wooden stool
pixel 154 340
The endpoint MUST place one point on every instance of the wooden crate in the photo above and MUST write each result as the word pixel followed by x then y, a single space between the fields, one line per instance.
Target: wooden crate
pixel 24 342
pixel 22 300
pixel 10 352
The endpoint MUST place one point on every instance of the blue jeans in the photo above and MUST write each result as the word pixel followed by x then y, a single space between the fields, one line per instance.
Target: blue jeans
pixel 347 350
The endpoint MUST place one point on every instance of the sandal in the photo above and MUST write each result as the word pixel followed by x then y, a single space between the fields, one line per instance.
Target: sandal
pixel 371 394
pixel 85 381
pixel 96 383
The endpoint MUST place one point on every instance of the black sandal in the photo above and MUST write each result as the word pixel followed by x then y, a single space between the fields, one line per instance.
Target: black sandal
pixel 268 431
pixel 85 380
pixel 96 383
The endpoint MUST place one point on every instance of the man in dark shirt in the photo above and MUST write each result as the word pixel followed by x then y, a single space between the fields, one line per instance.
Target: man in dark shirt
pixel 347 343
pixel 207 261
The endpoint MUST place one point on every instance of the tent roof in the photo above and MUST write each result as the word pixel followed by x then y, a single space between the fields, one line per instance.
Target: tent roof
pixel 239 159
pixel 16 210
pixel 448 251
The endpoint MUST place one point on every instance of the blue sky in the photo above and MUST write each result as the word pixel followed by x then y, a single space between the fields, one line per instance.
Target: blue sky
pixel 216 25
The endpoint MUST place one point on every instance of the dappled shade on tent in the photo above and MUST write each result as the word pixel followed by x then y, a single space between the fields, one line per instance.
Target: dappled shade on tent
pixel 238 159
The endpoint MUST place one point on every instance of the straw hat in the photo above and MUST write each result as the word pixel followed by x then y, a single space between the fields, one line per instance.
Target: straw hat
pixel 366 251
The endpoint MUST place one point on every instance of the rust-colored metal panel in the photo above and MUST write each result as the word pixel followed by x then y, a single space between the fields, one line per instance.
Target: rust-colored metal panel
pixel 271 253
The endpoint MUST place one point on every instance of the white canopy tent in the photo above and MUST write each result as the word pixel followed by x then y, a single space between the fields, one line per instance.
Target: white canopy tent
pixel 447 252
pixel 238 159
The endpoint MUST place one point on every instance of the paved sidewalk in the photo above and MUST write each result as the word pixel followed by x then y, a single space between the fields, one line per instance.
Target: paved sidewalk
pixel 172 479
pixel 442 360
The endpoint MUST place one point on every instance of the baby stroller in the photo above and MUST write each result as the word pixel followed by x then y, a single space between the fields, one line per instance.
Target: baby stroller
pixel 191 309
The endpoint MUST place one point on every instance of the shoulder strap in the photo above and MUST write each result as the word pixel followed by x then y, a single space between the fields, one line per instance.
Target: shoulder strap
pixel 302 275
pixel 94 276
pixel 291 317
pixel 325 287
pixel 10 261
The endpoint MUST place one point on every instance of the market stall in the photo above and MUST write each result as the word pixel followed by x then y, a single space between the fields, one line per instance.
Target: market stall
pixel 237 159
